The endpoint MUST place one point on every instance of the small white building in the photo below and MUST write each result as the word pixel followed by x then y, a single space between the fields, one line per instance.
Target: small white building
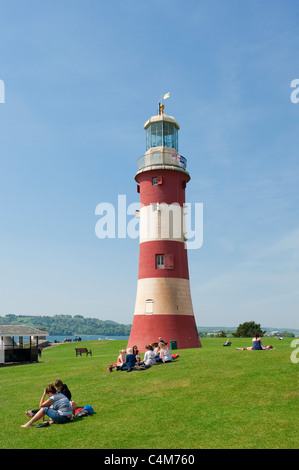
pixel 275 333
pixel 12 344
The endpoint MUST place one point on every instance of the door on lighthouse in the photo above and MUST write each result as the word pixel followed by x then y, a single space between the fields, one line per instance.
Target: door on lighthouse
pixel 149 307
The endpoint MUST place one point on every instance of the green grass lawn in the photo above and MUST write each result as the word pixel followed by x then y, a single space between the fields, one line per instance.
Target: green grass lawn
pixel 209 398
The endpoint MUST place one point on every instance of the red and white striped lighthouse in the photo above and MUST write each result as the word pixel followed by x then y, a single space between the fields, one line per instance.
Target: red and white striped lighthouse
pixel 163 305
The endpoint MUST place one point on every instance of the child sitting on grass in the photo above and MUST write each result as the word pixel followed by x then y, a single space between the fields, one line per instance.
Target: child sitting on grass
pixel 120 360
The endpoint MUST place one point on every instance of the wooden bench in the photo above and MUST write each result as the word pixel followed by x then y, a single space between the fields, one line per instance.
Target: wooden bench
pixel 79 351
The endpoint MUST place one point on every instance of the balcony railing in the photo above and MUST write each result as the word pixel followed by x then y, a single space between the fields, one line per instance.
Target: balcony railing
pixel 162 158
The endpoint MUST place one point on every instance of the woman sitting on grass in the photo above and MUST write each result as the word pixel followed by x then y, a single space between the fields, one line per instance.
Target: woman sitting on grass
pixel 156 349
pixel 164 353
pixel 61 387
pixel 136 354
pixel 60 411
pixel 257 344
pixel 149 357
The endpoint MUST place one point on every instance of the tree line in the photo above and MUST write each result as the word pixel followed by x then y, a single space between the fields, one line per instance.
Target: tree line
pixel 68 325
pixel 244 330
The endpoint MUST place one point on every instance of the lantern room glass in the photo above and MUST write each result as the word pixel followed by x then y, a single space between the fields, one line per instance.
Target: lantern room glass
pixel 162 134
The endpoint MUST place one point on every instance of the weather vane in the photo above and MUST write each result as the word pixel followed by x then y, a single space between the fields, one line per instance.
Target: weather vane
pixel 161 105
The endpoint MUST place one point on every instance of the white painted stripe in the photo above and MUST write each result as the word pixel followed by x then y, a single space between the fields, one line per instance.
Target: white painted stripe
pixel 169 296
pixel 162 222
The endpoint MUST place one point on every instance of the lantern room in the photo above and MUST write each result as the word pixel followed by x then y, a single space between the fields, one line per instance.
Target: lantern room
pixel 162 131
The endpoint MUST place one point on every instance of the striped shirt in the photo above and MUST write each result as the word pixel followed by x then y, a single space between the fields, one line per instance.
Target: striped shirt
pixel 61 404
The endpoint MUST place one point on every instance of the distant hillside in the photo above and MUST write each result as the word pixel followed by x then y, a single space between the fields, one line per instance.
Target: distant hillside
pixel 68 325
pixel 203 330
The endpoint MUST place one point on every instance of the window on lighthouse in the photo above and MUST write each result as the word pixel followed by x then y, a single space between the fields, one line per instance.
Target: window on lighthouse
pixel 170 135
pixel 154 135
pixel 160 262
pixel 165 261
pixel 157 180
pixel 162 134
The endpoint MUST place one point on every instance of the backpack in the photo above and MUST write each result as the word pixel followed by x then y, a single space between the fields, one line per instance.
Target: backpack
pixel 89 409
pixel 81 413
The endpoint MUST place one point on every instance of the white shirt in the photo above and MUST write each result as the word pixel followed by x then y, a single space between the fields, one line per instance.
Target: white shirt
pixel 165 355
pixel 149 358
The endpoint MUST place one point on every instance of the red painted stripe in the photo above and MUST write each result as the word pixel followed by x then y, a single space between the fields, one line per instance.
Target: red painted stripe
pixel 170 191
pixel 147 259
pixel 147 329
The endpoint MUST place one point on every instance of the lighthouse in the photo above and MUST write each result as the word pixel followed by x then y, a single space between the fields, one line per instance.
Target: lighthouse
pixel 163 307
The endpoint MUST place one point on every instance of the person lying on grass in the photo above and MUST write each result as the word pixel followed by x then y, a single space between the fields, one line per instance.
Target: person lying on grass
pixel 60 411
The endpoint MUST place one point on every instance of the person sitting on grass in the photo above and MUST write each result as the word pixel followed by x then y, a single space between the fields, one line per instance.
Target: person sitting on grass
pixel 149 357
pixel 164 353
pixel 58 408
pixel 120 360
pixel 257 342
pixel 227 342
pixel 156 349
pixel 136 353
pixel 61 387
pixel 130 361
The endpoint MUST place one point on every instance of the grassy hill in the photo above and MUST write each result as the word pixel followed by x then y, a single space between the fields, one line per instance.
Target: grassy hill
pixel 213 397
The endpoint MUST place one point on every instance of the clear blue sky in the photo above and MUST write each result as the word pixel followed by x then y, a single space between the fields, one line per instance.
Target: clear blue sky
pixel 81 78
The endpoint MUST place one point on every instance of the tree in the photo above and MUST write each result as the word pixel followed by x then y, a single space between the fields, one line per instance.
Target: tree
pixel 222 334
pixel 287 334
pixel 248 329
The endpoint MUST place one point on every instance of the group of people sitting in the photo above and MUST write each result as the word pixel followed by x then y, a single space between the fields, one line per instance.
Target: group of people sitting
pixel 58 407
pixel 155 353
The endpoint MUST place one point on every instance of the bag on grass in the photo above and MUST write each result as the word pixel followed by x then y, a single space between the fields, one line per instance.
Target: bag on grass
pixel 89 409
pixel 81 413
